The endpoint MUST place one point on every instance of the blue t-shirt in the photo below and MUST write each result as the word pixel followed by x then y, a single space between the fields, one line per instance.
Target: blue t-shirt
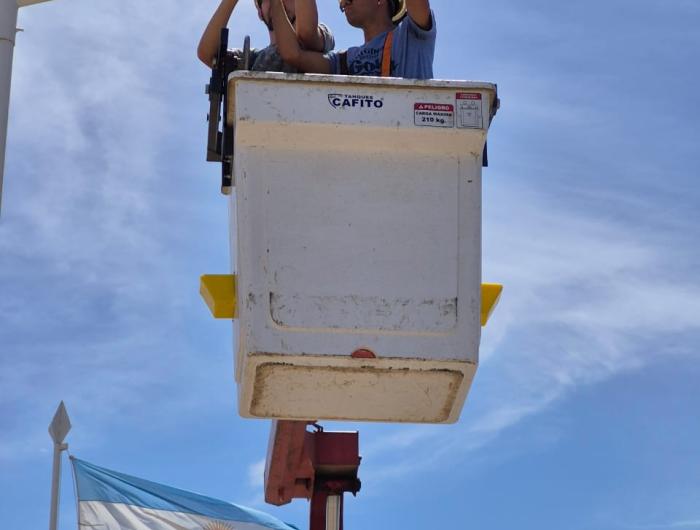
pixel 411 54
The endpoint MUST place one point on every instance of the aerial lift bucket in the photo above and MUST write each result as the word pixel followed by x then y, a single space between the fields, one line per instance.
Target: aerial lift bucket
pixel 356 236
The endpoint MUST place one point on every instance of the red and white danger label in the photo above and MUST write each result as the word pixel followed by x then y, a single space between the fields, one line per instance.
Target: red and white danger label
pixel 469 110
pixel 434 115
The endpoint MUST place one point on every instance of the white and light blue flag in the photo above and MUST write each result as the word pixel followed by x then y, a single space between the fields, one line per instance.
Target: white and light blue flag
pixel 108 500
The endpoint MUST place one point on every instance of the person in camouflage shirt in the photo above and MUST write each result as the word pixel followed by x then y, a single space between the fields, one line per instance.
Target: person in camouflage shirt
pixel 302 14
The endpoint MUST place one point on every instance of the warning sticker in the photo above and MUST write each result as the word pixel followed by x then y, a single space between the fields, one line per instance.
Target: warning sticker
pixel 434 115
pixel 469 111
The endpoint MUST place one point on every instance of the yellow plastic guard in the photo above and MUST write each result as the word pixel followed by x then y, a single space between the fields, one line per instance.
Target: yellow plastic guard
pixel 490 295
pixel 219 293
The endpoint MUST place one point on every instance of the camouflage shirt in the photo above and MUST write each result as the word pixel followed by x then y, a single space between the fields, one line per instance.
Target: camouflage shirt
pixel 269 59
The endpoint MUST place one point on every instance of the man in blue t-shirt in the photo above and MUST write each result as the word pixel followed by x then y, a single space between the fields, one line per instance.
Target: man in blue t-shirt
pixel 399 40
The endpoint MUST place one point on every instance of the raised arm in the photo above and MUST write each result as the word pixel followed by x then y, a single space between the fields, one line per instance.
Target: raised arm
pixel 306 24
pixel 209 43
pixel 289 48
pixel 419 11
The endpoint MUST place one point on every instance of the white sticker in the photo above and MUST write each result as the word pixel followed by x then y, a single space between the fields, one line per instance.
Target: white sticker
pixel 434 115
pixel 469 111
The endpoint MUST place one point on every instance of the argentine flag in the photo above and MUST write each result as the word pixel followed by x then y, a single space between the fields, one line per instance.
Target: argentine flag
pixel 114 501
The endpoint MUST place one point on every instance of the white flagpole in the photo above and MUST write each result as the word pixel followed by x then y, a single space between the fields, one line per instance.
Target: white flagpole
pixel 8 30
pixel 58 429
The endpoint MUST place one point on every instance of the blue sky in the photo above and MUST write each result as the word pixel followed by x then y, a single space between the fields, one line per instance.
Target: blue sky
pixel 584 413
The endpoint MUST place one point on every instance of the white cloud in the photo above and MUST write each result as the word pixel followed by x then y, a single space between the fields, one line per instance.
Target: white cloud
pixel 584 300
pixel 107 122
pixel 256 474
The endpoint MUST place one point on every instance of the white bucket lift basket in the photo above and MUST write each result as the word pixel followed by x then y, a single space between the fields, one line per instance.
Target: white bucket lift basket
pixel 356 228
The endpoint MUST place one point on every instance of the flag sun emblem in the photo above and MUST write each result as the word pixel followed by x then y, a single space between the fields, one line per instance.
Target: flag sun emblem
pixel 218 525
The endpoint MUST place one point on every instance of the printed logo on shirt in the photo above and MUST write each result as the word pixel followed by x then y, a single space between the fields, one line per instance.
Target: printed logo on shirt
pixel 369 62
pixel 355 101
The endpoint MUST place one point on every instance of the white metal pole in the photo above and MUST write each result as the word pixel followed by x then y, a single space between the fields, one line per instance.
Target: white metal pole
pixel 56 483
pixel 58 429
pixel 8 30
pixel 334 506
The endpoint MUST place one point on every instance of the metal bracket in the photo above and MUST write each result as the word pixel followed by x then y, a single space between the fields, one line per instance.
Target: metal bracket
pixel 220 135
pixel 321 466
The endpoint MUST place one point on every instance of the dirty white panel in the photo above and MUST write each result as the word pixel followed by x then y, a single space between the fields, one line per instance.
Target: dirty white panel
pixel 358 227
